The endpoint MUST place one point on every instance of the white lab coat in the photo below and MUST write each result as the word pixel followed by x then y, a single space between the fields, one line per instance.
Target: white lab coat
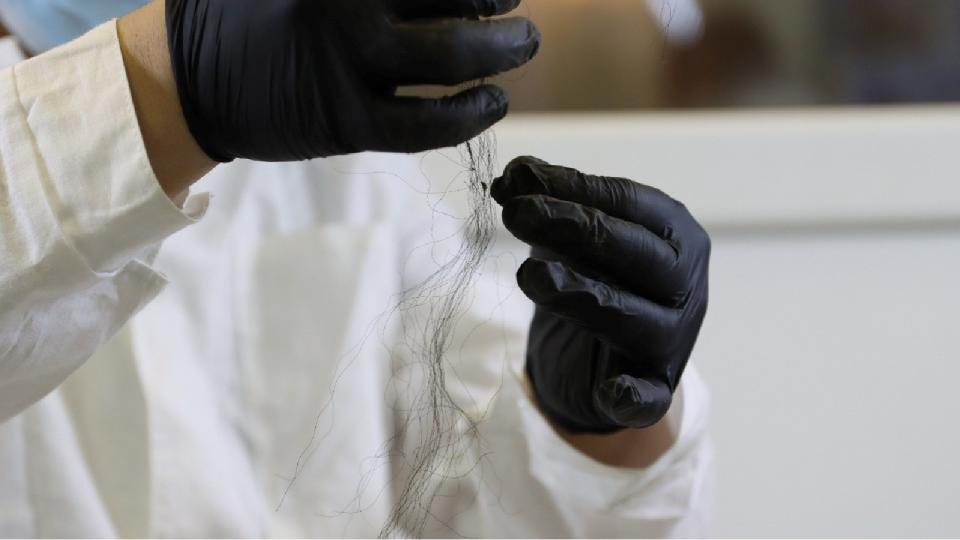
pixel 175 395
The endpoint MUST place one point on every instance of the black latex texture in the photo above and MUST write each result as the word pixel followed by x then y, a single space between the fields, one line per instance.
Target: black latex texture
pixel 619 275
pixel 286 80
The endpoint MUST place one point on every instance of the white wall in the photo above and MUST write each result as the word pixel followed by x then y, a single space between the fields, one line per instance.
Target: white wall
pixel 833 342
pixel 834 365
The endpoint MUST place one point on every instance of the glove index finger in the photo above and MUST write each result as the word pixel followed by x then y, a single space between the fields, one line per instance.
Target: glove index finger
pixel 467 9
pixel 618 197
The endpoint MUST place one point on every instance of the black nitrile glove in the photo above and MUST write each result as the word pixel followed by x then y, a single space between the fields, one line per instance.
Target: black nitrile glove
pixel 284 80
pixel 619 276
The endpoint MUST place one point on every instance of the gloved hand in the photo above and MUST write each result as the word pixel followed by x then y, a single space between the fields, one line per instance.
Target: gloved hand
pixel 283 80
pixel 619 276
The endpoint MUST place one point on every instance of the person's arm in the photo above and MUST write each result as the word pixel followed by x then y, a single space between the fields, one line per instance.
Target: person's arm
pixel 537 484
pixel 185 78
pixel 525 476
pixel 176 158
pixel 619 273
pixel 525 481
pixel 93 160
pixel 82 214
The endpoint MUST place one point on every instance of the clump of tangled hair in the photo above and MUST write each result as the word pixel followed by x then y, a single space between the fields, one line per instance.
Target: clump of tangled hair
pixel 439 420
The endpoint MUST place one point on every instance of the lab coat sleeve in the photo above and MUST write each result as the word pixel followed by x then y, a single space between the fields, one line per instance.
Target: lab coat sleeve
pixel 516 477
pixel 81 214
pixel 531 483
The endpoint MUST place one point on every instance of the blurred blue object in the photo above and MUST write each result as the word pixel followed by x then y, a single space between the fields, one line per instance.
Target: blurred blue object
pixel 41 25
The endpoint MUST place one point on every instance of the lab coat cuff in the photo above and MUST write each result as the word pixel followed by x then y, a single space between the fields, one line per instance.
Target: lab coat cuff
pixel 626 491
pixel 101 189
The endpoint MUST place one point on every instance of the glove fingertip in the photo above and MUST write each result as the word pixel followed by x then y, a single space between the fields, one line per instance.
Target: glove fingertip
pixel 532 269
pixel 498 190
pixel 483 106
pixel 524 176
pixel 464 116
pixel 539 279
pixel 631 402
pixel 499 101
pixel 534 40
